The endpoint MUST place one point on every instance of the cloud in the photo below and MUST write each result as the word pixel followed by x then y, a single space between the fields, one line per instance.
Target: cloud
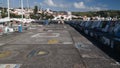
pixel 79 5
pixel 64 5
pixel 50 3
pixel 94 8
pixel 89 0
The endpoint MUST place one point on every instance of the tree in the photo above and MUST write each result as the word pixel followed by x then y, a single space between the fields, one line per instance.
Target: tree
pixel 4 15
pixel 33 16
pixel 14 16
pixel 35 9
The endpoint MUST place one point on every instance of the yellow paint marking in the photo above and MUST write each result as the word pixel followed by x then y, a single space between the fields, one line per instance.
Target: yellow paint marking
pixel 4 54
pixel 53 41
pixel 42 53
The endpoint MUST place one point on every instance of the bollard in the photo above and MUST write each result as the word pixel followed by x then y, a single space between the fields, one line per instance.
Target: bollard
pixel 19 28
pixel 46 22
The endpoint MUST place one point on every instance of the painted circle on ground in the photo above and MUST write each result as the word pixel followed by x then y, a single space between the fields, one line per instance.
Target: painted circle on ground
pixel 7 66
pixel 10 65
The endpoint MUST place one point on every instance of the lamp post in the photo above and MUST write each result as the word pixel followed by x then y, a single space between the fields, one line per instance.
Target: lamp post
pixel 39 6
pixel 22 8
pixel 20 24
pixel 0 14
pixel 8 3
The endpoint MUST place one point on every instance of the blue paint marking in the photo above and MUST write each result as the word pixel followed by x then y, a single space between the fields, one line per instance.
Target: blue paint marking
pixel 32 53
pixel 78 45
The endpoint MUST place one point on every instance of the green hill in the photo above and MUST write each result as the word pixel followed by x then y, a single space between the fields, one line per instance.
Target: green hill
pixel 105 13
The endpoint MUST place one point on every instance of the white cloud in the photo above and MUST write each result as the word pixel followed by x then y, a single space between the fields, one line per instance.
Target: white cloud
pixel 94 8
pixel 79 5
pixel 89 0
pixel 68 6
pixel 50 3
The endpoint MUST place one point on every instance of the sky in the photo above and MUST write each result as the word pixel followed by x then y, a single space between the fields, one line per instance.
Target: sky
pixel 68 5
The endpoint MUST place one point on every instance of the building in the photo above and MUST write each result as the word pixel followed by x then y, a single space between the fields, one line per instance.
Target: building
pixel 62 15
pixel 26 12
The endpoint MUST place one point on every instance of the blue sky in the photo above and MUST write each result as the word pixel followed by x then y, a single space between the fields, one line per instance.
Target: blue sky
pixel 69 5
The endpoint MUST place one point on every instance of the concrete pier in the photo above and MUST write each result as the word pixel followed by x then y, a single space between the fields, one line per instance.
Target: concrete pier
pixel 51 46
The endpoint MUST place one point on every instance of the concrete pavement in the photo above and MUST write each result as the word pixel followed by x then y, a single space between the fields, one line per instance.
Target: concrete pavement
pixel 52 46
